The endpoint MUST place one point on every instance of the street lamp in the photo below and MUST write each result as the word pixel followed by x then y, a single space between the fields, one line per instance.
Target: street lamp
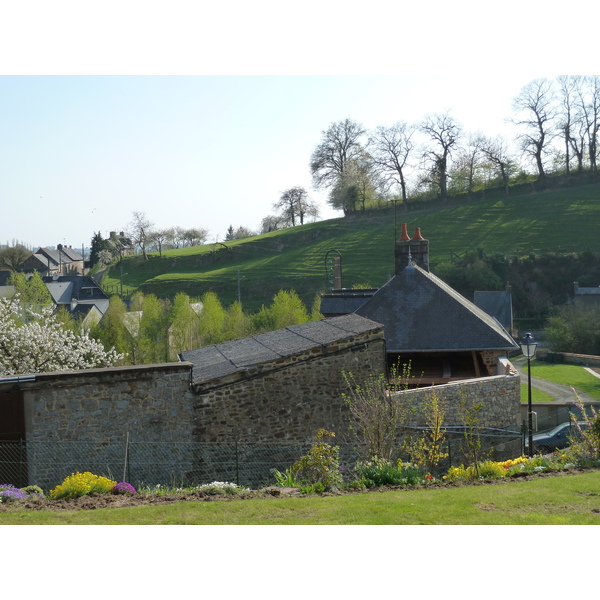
pixel 528 347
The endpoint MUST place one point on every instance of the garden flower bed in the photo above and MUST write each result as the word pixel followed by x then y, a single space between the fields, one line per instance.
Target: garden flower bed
pixel 211 493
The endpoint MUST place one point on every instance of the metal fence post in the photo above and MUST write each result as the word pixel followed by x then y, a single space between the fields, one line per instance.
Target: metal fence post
pixel 237 464
pixel 126 464
pixel 21 455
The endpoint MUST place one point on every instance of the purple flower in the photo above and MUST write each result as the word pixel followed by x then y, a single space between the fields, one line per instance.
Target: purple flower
pixel 9 492
pixel 123 488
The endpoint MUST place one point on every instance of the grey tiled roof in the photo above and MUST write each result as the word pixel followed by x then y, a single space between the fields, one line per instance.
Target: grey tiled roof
pixel 341 302
pixel 220 360
pixel 420 312
pixel 496 304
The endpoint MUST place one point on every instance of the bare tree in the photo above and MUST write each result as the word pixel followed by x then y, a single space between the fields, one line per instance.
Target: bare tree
pixel 175 237
pixel 158 238
pixel 341 143
pixel 567 124
pixel 363 177
pixel 465 171
pixel 536 114
pixel 140 228
pixel 295 204
pixel 588 102
pixel 194 236
pixel 444 132
pixel 496 152
pixel 273 223
pixel 390 149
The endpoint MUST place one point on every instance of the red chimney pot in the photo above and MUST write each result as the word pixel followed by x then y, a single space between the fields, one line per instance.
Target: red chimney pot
pixel 417 236
pixel 404 235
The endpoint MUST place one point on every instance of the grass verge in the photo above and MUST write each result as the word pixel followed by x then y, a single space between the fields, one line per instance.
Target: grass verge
pixel 570 375
pixel 566 499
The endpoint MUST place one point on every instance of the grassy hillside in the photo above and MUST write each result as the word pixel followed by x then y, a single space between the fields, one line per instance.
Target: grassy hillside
pixel 559 221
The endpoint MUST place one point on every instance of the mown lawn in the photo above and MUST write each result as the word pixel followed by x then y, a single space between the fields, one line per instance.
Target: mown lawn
pixel 570 499
pixel 570 375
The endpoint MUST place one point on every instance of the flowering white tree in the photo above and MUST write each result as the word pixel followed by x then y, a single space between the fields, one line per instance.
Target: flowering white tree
pixel 35 342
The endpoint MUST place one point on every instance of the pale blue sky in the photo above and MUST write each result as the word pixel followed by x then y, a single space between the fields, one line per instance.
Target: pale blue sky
pixel 201 115
pixel 79 154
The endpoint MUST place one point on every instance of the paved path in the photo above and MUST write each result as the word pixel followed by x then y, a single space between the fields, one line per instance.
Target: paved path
pixel 560 393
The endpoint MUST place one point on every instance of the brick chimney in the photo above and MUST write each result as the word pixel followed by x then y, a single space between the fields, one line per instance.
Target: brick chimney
pixel 417 246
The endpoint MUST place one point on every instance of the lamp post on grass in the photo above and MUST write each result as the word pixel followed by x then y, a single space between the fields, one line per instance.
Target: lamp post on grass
pixel 528 347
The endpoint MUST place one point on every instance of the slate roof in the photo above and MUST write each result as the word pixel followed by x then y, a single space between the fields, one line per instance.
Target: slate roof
pixel 421 313
pixel 342 302
pixel 227 358
pixel 65 255
pixel 84 289
pixel 497 305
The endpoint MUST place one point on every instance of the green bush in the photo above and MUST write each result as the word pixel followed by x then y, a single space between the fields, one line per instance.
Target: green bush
pixel 33 490
pixel 320 465
pixel 379 472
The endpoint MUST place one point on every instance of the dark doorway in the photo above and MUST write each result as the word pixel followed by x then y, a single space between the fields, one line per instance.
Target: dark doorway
pixel 13 457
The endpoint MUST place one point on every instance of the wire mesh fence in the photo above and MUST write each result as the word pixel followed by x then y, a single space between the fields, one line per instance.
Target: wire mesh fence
pixel 174 464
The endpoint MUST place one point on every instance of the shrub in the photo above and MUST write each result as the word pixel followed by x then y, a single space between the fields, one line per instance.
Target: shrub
pixel 33 490
pixel 320 464
pixel 82 484
pixel 123 488
pixel 379 472
pixel 587 441
pixel 427 450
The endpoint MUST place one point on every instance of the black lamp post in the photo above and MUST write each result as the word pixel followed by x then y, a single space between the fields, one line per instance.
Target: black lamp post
pixel 528 347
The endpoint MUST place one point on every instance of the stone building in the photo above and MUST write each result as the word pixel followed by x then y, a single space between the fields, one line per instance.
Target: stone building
pixel 442 335
pixel 49 262
pixel 275 389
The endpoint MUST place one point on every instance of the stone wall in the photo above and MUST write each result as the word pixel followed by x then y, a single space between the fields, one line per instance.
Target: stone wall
pixel 82 420
pixel 500 396
pixel 586 360
pixel 151 402
pixel 289 400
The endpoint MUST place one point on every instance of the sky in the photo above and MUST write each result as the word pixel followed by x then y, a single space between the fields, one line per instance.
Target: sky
pixel 204 119
pixel 79 154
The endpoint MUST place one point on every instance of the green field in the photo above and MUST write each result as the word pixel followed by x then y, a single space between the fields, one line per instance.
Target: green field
pixel 570 375
pixel 294 258
pixel 572 499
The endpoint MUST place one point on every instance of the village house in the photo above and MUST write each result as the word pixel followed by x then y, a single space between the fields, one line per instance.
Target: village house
pixel 442 336
pixel 49 262
pixel 585 296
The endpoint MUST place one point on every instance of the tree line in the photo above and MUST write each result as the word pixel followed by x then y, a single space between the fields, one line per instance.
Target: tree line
pixel 153 330
pixel 556 131
pixel 556 123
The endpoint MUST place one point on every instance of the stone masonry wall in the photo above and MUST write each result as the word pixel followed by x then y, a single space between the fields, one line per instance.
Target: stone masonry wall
pixel 151 402
pixel 289 402
pixel 500 396
pixel 80 421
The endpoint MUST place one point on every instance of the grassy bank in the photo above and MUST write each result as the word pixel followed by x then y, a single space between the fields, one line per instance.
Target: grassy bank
pixel 557 221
